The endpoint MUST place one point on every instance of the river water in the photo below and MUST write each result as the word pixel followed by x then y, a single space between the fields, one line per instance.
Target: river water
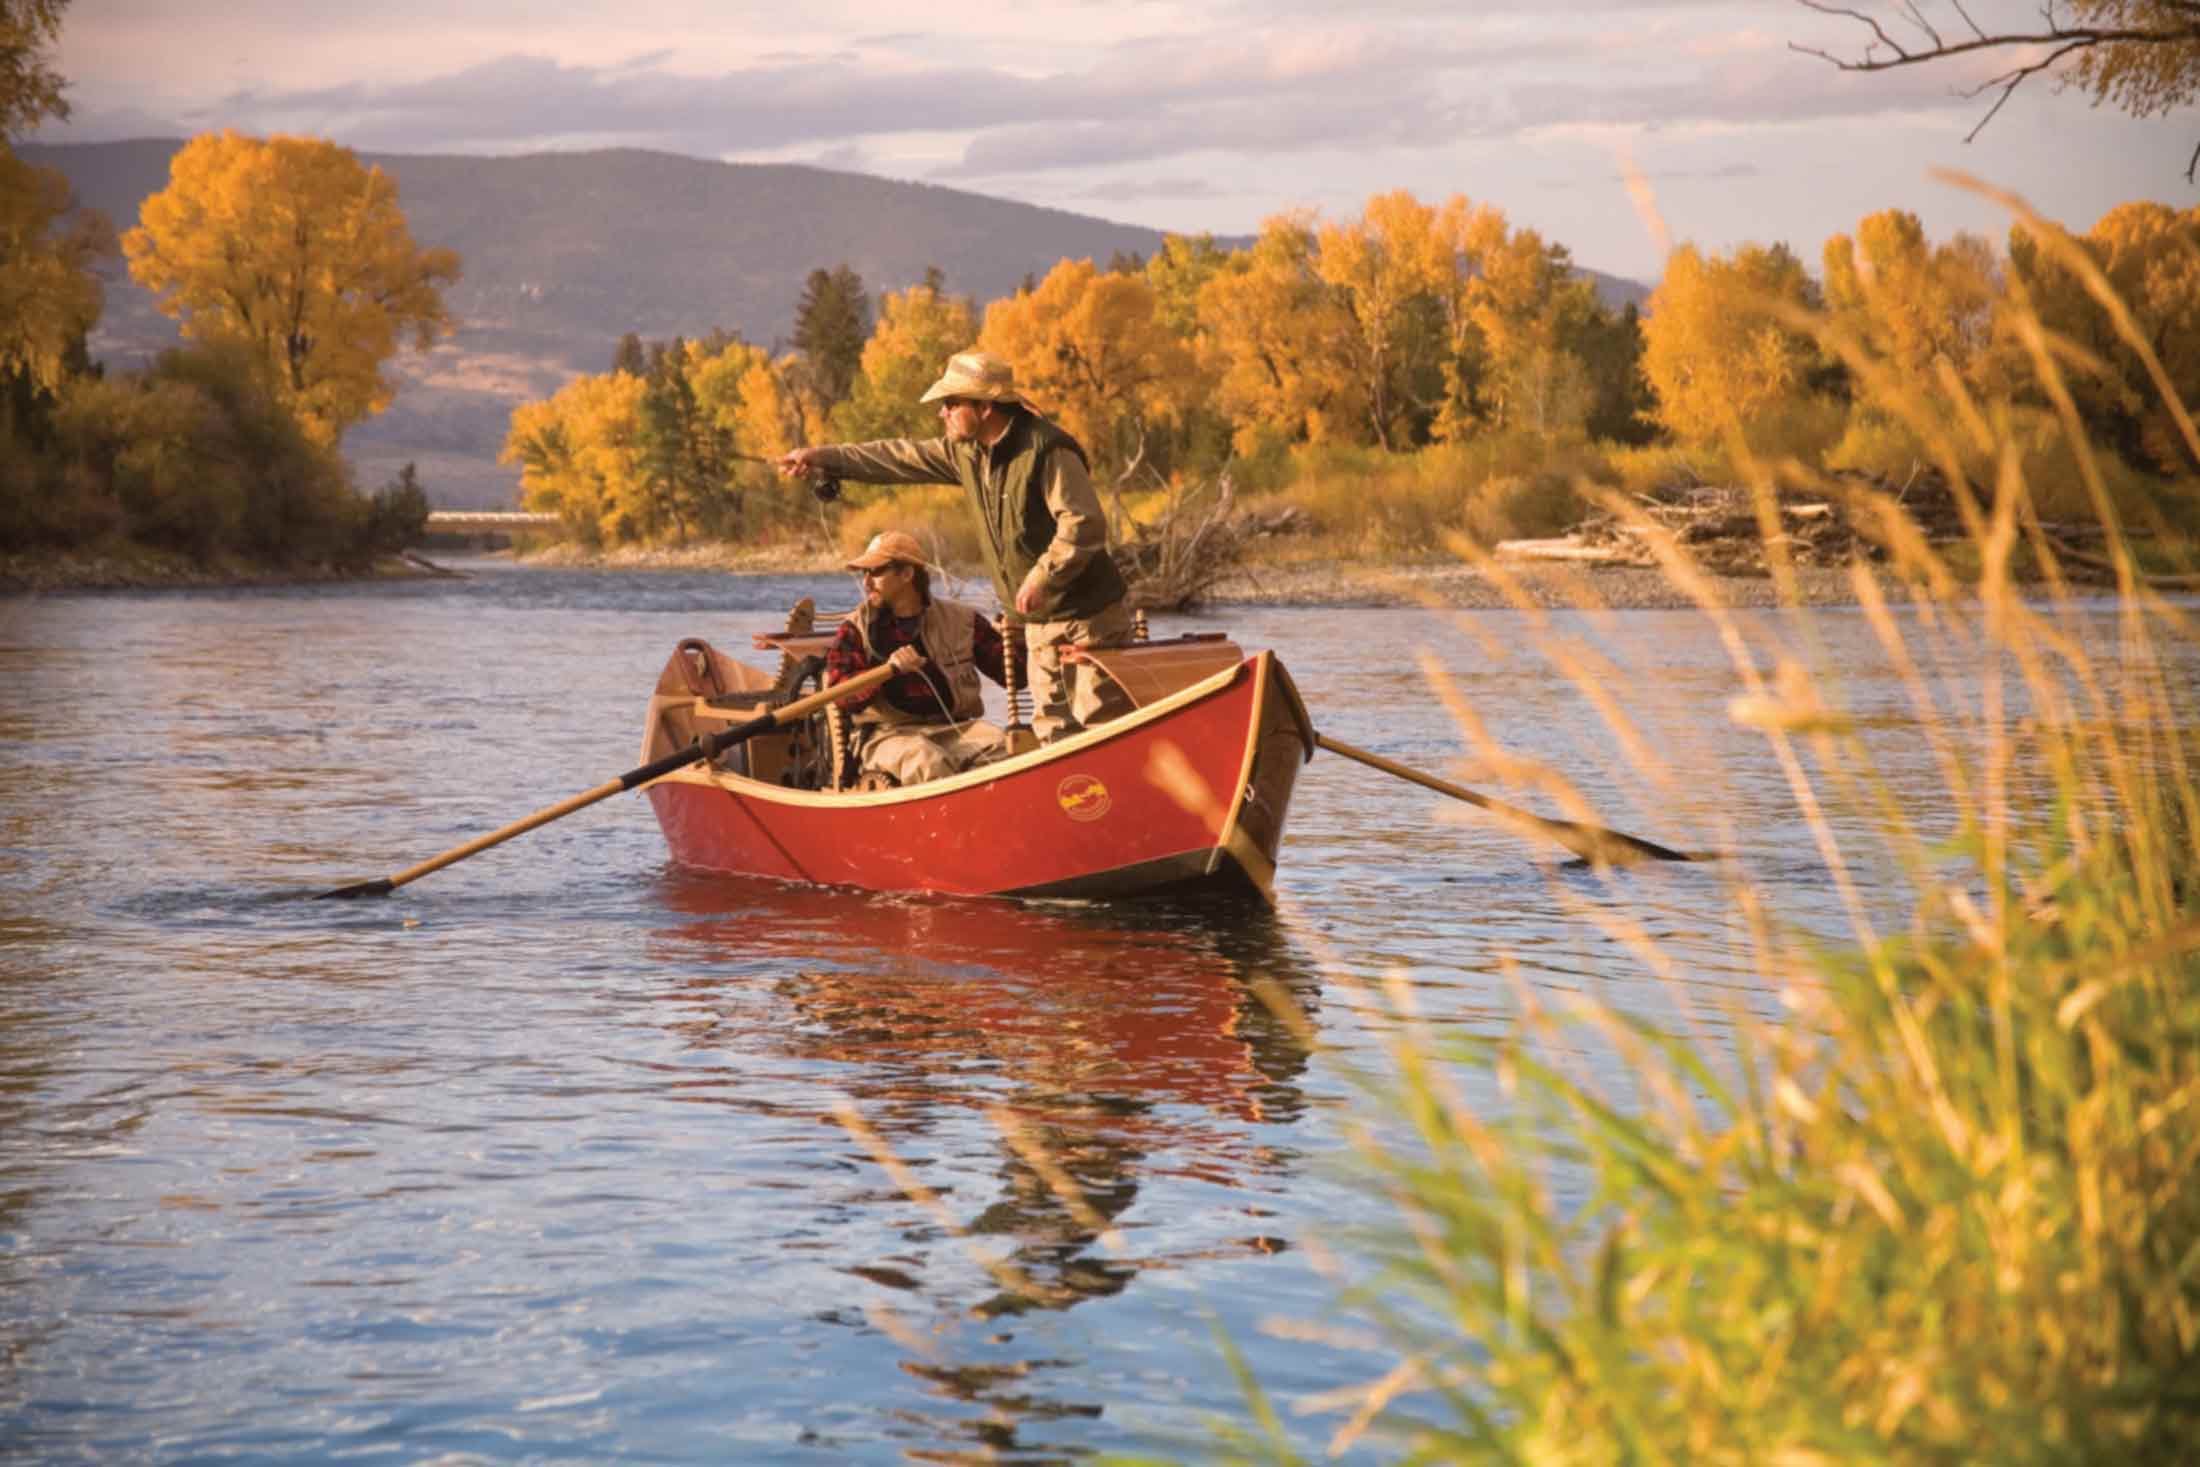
pixel 565 1155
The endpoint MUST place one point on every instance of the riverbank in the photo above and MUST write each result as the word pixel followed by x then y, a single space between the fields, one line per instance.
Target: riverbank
pixel 1451 584
pixel 137 568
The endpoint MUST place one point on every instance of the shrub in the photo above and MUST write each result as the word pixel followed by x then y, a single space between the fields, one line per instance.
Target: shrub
pixel 396 517
pixel 937 514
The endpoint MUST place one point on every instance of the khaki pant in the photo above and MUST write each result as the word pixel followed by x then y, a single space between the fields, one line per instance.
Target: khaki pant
pixel 1068 700
pixel 914 753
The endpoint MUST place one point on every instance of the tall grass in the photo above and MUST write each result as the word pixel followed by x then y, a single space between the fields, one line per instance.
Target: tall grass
pixel 1941 1203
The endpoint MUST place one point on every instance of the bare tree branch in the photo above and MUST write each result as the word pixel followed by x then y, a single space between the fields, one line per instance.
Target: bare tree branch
pixel 1885 51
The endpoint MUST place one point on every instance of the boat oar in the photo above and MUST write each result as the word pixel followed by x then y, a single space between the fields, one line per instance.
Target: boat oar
pixel 1592 843
pixel 710 746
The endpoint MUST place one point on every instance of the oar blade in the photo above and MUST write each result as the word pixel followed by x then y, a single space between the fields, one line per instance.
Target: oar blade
pixel 1601 847
pixel 380 886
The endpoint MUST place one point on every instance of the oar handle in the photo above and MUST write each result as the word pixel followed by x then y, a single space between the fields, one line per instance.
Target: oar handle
pixel 709 746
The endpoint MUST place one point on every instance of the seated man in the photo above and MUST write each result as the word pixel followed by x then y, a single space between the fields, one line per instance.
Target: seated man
pixel 924 722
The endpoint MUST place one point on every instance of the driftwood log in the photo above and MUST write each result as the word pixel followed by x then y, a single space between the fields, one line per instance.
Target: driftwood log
pixel 1175 560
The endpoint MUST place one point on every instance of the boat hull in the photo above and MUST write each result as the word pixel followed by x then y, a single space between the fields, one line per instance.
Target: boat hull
pixel 1189 792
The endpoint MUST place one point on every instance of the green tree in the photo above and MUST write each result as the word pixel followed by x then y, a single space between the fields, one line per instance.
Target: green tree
pixel 1610 344
pixel 397 516
pixel 831 323
pixel 294 249
pixel 201 456
pixel 631 357
pixel 1184 264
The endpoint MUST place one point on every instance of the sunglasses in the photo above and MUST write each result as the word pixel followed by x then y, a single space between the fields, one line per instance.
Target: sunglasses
pixel 880 572
pixel 949 404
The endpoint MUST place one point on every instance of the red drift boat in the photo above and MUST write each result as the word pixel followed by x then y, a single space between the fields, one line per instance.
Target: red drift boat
pixel 1187 792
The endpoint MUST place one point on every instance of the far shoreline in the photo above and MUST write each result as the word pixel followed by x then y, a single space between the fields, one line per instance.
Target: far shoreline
pixel 1341 583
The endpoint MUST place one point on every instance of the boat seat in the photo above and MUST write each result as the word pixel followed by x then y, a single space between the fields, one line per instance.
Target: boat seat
pixel 1151 671
pixel 797 645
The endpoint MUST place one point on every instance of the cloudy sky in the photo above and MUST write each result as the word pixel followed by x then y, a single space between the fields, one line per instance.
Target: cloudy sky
pixel 1165 113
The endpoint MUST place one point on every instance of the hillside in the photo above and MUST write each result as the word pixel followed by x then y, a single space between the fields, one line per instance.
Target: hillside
pixel 565 252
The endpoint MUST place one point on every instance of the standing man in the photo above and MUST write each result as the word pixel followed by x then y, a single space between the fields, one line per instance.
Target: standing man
pixel 1040 524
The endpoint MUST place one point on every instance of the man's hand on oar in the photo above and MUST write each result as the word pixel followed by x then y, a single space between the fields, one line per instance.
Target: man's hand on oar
pixel 710 746
pixel 1592 843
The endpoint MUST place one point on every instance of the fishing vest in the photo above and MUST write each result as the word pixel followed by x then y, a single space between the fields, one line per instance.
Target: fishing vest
pixel 1015 524
pixel 945 627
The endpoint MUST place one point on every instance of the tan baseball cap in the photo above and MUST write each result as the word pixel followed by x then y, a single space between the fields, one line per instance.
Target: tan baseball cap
pixel 886 547
pixel 978 374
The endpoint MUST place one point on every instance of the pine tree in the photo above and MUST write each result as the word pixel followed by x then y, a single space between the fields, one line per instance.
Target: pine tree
pixel 831 324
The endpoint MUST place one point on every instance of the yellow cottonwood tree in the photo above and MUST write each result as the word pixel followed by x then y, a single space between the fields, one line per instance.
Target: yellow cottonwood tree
pixel 1392 269
pixel 918 330
pixel 1087 346
pixel 293 248
pixel 1912 305
pixel 2150 254
pixel 1717 355
pixel 49 296
pixel 1280 341
pixel 1523 308
pixel 580 458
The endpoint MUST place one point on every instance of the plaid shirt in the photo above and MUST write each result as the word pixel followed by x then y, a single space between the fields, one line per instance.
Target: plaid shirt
pixel 912 692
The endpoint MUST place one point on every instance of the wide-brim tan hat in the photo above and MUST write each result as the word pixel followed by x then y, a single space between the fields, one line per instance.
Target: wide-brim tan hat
pixel 886 547
pixel 978 374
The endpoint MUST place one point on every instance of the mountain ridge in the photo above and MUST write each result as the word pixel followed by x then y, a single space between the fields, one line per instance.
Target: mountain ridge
pixel 563 253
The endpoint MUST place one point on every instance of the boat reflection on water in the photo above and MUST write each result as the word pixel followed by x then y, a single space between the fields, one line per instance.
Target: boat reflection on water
pixel 1132 1046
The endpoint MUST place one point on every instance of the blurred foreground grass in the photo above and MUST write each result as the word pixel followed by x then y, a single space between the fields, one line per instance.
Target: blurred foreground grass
pixel 1938 1202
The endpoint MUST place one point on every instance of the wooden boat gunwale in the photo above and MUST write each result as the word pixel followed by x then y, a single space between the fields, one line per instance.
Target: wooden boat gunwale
pixel 1242 724
pixel 1257 665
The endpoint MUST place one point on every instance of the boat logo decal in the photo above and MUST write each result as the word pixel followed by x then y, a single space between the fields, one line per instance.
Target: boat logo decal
pixel 1083 797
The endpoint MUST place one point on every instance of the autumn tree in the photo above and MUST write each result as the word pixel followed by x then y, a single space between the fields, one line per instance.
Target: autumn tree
pixel 1280 341
pixel 2149 255
pixel 744 400
pixel 1389 270
pixel 2140 56
pixel 1716 350
pixel 294 249
pixel 49 295
pixel 675 450
pixel 1520 319
pixel 1913 307
pixel 831 323
pixel 30 89
pixel 579 457
pixel 918 330
pixel 1086 344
